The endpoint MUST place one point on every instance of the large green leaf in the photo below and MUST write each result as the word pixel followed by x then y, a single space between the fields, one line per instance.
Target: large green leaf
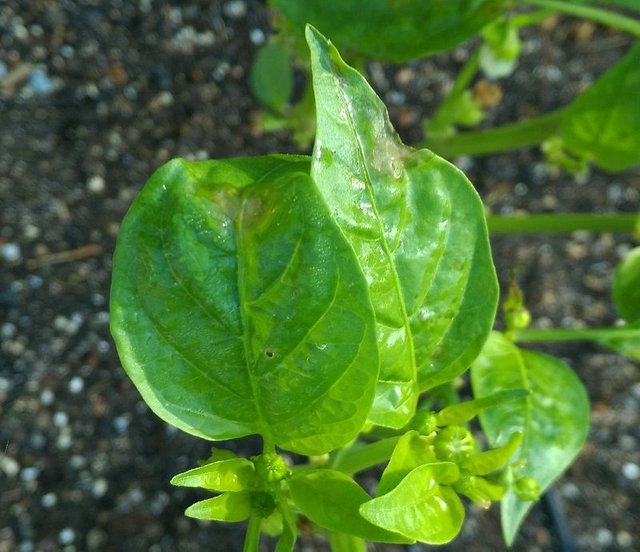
pixel 332 500
pixel 271 77
pixel 418 507
pixel 238 308
pixel 603 124
pixel 397 30
pixel 553 418
pixel 626 286
pixel 418 228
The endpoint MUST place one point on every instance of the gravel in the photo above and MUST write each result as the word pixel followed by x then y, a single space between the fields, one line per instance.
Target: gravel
pixel 94 96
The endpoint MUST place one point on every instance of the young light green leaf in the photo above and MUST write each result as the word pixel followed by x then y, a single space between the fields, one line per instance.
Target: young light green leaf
pixel 213 263
pixel 224 507
pixel 331 499
pixel 412 451
pixel 489 461
pixel 397 31
pixel 626 286
pixel 553 418
pixel 603 123
pixel 418 228
pixel 271 77
pixel 460 413
pixel 236 474
pixel 418 508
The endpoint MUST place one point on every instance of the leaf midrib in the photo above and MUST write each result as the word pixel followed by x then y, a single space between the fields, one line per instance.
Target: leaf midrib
pixel 383 238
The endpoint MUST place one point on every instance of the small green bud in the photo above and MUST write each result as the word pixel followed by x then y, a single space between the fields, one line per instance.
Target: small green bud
pixel 270 467
pixel 425 422
pixel 527 489
pixel 455 444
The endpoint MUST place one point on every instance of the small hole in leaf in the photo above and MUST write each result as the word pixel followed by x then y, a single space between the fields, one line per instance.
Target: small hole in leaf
pixel 270 353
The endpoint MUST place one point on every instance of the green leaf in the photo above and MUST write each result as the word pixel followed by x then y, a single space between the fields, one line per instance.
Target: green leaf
pixel 418 228
pixel 397 30
pixel 271 77
pixel 460 413
pixel 411 451
pixel 624 340
pixel 626 286
pixel 331 499
pixel 225 507
pixel 489 461
pixel 603 123
pixel 238 308
pixel 553 418
pixel 236 474
pixel 418 508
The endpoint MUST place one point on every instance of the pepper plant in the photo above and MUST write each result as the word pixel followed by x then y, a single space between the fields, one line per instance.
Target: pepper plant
pixel 328 305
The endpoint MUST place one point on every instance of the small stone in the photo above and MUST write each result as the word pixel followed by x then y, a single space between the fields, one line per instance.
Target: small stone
pixel 236 9
pixel 29 474
pixel 624 539
pixel 76 385
pixel 631 471
pixel 99 487
pixel 9 466
pixel 47 397
pixel 40 83
pixel 10 252
pixel 8 330
pixel 604 537
pixel 60 419
pixel 256 36
pixel 66 536
pixel 49 500
pixel 96 184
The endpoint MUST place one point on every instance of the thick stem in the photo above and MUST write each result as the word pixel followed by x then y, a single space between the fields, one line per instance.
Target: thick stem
pixel 504 138
pixel 598 15
pixel 574 334
pixel 559 223
pixel 361 458
pixel 252 536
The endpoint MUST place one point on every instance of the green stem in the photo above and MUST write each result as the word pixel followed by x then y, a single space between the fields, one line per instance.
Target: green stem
pixel 341 542
pixel 598 15
pixel 358 459
pixel 530 18
pixel 504 138
pixel 252 536
pixel 559 223
pixel 574 334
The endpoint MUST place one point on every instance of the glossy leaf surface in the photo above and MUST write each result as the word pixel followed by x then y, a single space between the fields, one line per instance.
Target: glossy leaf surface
pixel 238 308
pixel 225 507
pixel 419 508
pixel 418 228
pixel 393 30
pixel 626 286
pixel 236 474
pixel 412 451
pixel 332 500
pixel 553 418
pixel 603 123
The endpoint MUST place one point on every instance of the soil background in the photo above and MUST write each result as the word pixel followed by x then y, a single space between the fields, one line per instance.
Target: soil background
pixel 94 96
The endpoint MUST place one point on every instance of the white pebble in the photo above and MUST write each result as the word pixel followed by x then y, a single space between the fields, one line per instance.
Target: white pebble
pixel 604 537
pixel 9 466
pixel 76 385
pixel 66 536
pixel 256 36
pixel 47 397
pixel 8 329
pixel 29 474
pixel 100 487
pixel 60 419
pixel 96 184
pixel 631 471
pixel 5 384
pixel 236 9
pixel 10 252
pixel 49 500
pixel 624 539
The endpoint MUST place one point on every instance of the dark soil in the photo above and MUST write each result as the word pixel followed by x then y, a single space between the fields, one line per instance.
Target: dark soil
pixel 94 96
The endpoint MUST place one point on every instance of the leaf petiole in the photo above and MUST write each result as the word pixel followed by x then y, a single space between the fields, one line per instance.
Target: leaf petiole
pixel 573 334
pixel 252 536
pixel 360 458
